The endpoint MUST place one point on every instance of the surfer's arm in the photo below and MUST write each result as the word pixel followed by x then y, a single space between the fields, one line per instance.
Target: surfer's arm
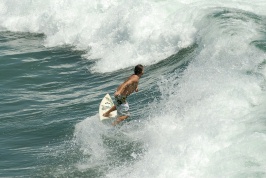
pixel 137 86
pixel 137 89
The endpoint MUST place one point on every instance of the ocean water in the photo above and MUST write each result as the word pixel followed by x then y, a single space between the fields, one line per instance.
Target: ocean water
pixel 201 107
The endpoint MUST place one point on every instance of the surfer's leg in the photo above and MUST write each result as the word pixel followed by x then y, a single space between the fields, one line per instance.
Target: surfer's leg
pixel 119 119
pixel 113 108
pixel 123 113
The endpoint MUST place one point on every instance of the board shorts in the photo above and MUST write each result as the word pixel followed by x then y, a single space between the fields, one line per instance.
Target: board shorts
pixel 122 106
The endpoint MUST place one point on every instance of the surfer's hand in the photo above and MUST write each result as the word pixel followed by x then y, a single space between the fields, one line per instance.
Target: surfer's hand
pixel 116 93
pixel 136 90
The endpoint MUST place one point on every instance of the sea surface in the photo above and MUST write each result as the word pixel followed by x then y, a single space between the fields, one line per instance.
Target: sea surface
pixel 201 107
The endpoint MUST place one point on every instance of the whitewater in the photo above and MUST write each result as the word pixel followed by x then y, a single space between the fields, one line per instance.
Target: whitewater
pixel 200 111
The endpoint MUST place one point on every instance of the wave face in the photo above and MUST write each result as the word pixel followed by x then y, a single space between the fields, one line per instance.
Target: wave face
pixel 200 111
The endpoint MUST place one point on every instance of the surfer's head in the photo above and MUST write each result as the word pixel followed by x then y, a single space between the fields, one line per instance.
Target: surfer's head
pixel 138 69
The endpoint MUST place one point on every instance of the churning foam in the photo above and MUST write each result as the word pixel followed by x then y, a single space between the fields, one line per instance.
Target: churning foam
pixel 116 33
pixel 212 116
pixel 88 135
pixel 212 120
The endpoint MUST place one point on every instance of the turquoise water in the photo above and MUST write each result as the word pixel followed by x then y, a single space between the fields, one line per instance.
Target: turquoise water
pixel 200 111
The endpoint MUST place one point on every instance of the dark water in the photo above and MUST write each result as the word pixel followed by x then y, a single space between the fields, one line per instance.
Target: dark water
pixel 200 111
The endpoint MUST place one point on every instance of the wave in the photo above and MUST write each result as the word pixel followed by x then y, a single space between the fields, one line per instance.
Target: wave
pixel 209 119
pixel 117 34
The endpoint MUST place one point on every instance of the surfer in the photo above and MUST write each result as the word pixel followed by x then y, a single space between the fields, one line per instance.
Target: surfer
pixel 122 92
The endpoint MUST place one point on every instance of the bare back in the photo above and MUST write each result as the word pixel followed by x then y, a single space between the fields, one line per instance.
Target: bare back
pixel 129 86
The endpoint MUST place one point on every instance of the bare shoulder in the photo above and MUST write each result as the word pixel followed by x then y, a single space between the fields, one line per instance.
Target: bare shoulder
pixel 134 78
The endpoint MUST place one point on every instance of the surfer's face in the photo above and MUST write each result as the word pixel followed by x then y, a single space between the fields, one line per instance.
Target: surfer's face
pixel 142 72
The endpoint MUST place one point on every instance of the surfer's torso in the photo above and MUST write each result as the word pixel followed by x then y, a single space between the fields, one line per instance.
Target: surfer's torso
pixel 129 86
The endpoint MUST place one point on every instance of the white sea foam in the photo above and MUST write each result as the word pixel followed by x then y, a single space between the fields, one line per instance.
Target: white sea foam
pixel 88 135
pixel 210 120
pixel 211 117
pixel 117 33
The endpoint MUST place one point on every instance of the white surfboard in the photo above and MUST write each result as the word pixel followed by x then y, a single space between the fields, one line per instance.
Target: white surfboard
pixel 105 105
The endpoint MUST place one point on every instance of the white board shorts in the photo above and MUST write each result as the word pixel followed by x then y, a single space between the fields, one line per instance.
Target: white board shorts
pixel 123 109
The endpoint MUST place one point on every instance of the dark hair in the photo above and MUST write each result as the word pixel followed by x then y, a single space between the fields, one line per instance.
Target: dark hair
pixel 138 69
